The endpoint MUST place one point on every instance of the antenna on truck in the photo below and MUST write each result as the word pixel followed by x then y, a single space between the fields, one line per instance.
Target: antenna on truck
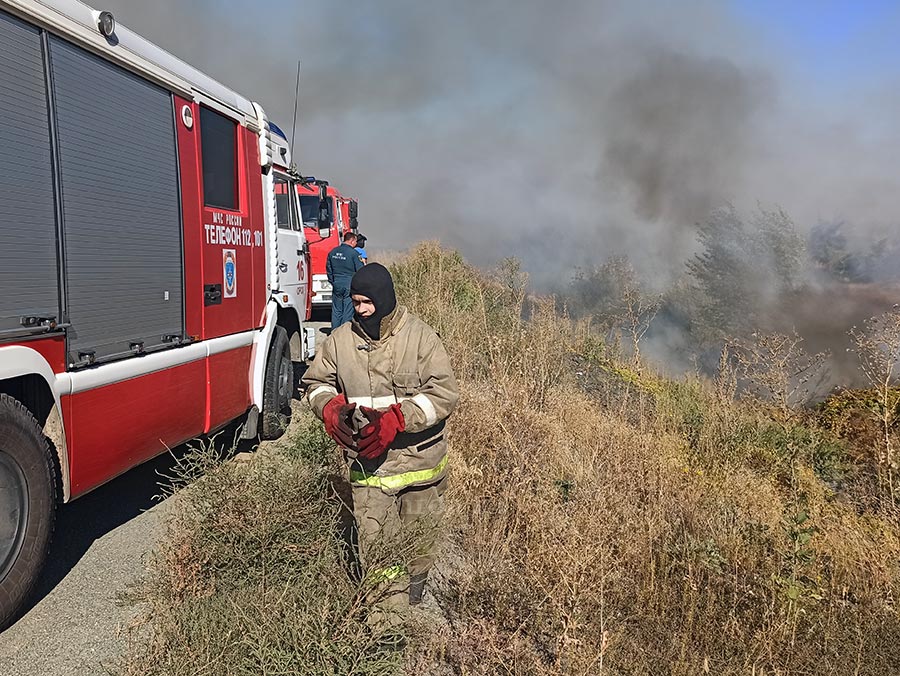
pixel 296 99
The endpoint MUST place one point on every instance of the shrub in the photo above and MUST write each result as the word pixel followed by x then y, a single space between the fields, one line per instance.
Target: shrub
pixel 252 575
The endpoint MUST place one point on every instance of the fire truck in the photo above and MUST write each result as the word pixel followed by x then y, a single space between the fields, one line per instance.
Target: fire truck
pixel 155 270
pixel 293 246
pixel 327 215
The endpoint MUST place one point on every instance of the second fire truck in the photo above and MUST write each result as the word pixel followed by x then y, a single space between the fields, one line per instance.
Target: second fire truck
pixel 326 220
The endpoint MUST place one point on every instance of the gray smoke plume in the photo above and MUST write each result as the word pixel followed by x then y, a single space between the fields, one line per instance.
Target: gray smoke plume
pixel 560 133
pixel 683 130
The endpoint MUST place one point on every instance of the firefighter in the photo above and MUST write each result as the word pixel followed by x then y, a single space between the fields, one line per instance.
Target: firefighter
pixel 343 262
pixel 361 247
pixel 384 388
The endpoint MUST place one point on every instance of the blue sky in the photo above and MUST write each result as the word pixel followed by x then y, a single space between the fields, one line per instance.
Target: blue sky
pixel 834 44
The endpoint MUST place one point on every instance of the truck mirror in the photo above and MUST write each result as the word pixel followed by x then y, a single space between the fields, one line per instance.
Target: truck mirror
pixel 324 220
pixel 354 209
pixel 323 192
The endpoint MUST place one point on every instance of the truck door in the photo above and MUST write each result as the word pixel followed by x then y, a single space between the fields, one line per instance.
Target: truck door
pixel 304 269
pixel 28 236
pixel 120 208
pixel 293 264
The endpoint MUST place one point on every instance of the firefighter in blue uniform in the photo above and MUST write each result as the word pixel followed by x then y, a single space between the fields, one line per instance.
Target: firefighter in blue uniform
pixel 343 262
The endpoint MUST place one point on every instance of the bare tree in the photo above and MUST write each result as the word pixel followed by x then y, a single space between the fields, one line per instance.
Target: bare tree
pixel 640 310
pixel 614 297
pixel 877 345
pixel 777 367
pixel 726 379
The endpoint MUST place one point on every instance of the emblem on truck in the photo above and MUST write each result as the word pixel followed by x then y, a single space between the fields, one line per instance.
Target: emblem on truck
pixel 229 261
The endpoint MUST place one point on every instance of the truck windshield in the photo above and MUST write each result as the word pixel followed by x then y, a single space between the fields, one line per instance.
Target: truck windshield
pixel 309 208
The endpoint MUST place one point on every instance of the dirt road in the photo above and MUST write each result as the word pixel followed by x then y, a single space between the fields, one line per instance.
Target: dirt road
pixel 74 625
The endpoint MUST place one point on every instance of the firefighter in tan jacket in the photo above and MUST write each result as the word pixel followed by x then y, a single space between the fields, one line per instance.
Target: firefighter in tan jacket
pixel 384 388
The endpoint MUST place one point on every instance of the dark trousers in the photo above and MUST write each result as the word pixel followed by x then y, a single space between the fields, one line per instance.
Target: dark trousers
pixel 341 305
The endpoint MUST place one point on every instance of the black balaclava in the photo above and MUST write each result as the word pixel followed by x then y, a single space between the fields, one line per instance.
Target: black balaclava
pixel 374 282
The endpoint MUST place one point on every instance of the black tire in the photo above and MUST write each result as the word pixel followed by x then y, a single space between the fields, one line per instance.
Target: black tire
pixel 28 498
pixel 278 387
pixel 301 350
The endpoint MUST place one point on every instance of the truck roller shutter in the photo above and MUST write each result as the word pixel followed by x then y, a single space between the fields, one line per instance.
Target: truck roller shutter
pixel 121 213
pixel 28 245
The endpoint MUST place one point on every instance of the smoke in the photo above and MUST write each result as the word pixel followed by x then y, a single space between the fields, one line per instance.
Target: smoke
pixel 560 133
pixel 681 133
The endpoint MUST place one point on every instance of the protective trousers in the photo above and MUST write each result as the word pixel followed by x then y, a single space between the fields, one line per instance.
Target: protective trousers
pixel 341 305
pixel 380 519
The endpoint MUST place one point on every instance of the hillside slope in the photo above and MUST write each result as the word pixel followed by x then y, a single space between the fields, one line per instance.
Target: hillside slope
pixel 602 520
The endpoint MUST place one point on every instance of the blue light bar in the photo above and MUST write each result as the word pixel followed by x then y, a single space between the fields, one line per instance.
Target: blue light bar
pixel 277 130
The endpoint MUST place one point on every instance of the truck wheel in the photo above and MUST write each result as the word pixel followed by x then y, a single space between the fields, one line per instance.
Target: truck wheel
pixel 27 505
pixel 278 387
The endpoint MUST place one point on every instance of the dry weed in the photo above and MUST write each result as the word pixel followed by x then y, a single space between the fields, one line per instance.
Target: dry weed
pixel 601 519
pixel 253 576
pixel 877 345
pixel 650 526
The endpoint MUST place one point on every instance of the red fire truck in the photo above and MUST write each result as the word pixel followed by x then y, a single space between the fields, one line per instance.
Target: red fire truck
pixel 153 263
pixel 326 221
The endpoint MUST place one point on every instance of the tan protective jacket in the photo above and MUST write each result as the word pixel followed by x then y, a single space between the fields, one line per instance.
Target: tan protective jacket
pixel 409 366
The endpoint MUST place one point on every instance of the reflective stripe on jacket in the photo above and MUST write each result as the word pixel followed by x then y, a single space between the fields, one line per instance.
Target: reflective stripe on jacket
pixel 408 366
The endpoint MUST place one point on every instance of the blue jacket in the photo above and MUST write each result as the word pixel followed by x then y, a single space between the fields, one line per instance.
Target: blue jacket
pixel 343 262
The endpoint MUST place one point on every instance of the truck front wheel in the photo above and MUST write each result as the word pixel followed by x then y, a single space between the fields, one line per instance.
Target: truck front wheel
pixel 278 387
pixel 27 505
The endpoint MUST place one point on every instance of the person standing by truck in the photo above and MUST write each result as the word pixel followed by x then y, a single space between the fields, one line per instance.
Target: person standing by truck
pixel 361 247
pixel 343 262
pixel 393 366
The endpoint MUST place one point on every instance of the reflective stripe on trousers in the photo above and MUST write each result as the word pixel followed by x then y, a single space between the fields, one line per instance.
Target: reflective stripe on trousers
pixel 397 481
pixel 386 574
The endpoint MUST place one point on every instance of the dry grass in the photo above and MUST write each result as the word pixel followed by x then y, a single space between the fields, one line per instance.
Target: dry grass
pixel 253 576
pixel 601 520
pixel 605 520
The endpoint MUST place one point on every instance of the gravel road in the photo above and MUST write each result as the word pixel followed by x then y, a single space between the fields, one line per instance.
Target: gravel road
pixel 73 625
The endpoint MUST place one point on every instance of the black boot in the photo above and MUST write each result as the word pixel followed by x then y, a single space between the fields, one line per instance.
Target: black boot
pixel 417 588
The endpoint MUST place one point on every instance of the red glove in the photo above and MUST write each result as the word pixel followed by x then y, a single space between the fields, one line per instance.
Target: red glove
pixel 336 416
pixel 381 431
